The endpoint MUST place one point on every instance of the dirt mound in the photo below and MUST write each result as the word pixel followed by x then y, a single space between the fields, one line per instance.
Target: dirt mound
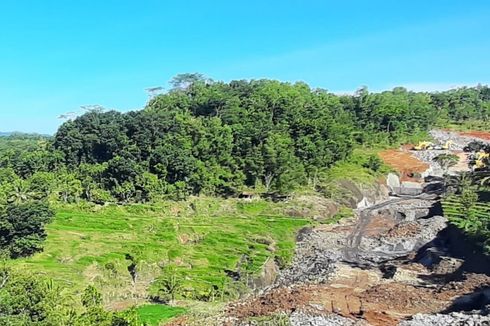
pixel 379 224
pixel 401 299
pixel 404 162
pixel 278 300
pixel 386 303
pixel 470 283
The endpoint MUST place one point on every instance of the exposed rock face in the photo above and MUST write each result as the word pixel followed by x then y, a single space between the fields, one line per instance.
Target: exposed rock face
pixel 312 206
pixel 393 181
pixel 390 230
pixel 320 208
pixel 374 193
pixel 386 231
pixel 268 276
pixel 379 249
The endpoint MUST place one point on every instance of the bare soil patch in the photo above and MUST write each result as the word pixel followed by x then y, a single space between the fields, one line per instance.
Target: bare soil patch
pixel 385 303
pixel 477 134
pixel 404 162
pixel 379 224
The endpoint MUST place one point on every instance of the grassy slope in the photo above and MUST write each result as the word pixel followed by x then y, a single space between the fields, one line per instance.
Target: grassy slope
pixel 153 315
pixel 199 239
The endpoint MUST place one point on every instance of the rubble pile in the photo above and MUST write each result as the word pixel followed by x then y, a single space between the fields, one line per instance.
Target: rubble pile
pixel 475 318
pixel 304 319
pixel 458 141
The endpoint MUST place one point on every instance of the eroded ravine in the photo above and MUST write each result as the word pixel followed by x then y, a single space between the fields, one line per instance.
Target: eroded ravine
pixel 351 249
pixel 387 265
pixel 339 270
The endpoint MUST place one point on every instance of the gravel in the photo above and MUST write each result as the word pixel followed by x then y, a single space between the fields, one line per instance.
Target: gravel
pixel 455 318
pixel 302 319
pixel 314 259
pixel 459 141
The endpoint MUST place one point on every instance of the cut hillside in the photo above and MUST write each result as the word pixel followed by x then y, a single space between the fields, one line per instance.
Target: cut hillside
pixel 477 134
pixel 402 161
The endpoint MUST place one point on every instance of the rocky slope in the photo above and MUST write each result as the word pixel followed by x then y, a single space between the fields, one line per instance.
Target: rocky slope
pixel 389 266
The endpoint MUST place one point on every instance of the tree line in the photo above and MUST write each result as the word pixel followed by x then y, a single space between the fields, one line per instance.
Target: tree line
pixel 216 138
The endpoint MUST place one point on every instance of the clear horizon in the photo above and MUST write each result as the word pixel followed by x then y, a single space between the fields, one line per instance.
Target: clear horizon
pixel 57 56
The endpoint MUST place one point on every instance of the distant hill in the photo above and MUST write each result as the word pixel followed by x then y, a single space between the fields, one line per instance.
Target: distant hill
pixel 21 134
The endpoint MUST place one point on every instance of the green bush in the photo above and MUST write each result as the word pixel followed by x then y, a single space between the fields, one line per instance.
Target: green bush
pixel 22 228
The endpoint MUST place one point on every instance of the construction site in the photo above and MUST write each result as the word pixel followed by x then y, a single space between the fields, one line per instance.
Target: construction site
pixel 398 262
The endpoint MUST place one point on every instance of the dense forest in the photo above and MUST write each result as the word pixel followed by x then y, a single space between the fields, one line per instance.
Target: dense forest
pixel 215 138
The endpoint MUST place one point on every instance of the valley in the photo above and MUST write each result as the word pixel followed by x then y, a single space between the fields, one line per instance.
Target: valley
pixel 397 260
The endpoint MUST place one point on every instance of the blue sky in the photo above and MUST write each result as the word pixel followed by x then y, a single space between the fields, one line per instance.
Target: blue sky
pixel 58 55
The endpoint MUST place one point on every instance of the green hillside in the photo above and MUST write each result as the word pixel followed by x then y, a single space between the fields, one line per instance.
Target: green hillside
pixel 192 241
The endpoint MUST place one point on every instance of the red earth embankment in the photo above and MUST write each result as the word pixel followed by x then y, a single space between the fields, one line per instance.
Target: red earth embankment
pixel 477 134
pixel 404 162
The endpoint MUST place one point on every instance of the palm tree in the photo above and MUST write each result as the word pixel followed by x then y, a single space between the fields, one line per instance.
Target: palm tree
pixel 446 161
pixel 20 192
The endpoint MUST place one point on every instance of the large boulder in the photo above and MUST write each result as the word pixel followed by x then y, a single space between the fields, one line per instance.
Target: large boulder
pixel 393 181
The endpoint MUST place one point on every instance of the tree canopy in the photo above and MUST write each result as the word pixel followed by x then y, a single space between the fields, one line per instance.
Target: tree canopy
pixel 216 138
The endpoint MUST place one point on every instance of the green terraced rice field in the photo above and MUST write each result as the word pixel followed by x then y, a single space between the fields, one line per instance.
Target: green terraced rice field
pixel 153 315
pixel 199 239
pixel 453 208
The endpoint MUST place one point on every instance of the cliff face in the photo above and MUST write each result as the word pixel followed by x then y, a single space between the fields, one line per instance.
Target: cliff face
pixel 353 195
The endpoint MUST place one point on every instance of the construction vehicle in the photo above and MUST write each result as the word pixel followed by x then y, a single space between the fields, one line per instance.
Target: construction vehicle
pixel 427 145
pixel 447 145
pixel 482 160
pixel 423 146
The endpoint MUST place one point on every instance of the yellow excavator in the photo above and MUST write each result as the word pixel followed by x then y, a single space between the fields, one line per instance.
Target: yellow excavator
pixel 481 160
pixel 427 145
pixel 423 146
pixel 447 145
